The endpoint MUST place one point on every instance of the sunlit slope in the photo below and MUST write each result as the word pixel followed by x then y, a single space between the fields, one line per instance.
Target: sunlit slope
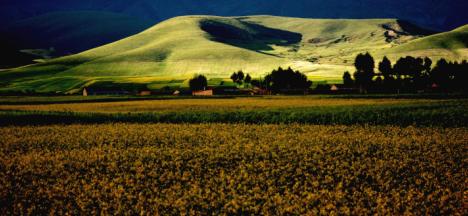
pixel 451 45
pixel 175 48
pixel 329 46
pixel 217 46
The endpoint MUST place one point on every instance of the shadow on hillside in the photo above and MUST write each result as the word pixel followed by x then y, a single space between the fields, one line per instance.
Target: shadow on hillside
pixel 407 28
pixel 249 36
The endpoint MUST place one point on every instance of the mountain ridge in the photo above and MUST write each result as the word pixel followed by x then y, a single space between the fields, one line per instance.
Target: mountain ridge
pixel 437 14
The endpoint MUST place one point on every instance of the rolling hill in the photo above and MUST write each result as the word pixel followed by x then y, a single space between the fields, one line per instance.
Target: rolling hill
pixel 452 45
pixel 176 49
pixel 63 33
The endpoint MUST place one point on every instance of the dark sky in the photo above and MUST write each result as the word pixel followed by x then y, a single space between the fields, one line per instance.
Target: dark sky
pixel 435 14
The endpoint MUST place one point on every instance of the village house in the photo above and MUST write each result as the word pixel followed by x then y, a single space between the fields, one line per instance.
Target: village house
pixel 342 88
pixel 208 92
pixel 89 92
pixel 145 93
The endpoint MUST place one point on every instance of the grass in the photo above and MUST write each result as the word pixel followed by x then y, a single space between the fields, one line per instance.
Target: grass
pixel 456 39
pixel 274 110
pixel 451 44
pixel 180 47
pixel 173 169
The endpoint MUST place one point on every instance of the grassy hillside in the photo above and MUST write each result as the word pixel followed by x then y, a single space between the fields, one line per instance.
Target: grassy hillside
pixel 452 45
pixel 216 46
pixel 329 46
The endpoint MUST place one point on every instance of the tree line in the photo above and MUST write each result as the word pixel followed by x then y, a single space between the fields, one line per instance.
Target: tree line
pixel 408 74
pixel 278 81
pixel 284 81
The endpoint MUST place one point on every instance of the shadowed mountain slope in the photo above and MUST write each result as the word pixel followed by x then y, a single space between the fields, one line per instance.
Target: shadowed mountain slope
pixel 63 33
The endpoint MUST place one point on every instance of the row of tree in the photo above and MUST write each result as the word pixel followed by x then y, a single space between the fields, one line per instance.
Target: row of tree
pixel 278 81
pixel 284 81
pixel 239 77
pixel 198 83
pixel 408 74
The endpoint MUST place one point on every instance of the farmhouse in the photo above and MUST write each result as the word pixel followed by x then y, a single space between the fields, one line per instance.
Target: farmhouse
pixel 260 91
pixel 341 88
pixel 88 92
pixel 145 93
pixel 203 93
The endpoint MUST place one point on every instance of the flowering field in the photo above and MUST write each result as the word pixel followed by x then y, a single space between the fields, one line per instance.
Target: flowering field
pixel 124 168
pixel 225 104
pixel 267 110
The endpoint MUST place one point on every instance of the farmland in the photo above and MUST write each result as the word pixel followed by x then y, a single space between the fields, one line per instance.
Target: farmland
pixel 276 109
pixel 231 169
pixel 271 155
pixel 264 107
pixel 192 104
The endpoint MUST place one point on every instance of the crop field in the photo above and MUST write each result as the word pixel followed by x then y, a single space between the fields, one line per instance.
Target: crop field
pixel 278 155
pixel 232 169
pixel 192 104
pixel 255 110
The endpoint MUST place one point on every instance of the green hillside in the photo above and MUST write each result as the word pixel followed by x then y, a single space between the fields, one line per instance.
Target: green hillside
pixel 216 46
pixel 452 45
pixel 329 46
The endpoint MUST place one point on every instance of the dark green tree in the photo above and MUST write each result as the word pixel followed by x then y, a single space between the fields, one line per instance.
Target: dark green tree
pixel 247 79
pixel 409 71
pixel 364 64
pixel 425 75
pixel 427 65
pixel 409 67
pixel 287 81
pixel 198 83
pixel 461 76
pixel 385 67
pixel 234 77
pixel 440 74
pixel 347 79
pixel 238 77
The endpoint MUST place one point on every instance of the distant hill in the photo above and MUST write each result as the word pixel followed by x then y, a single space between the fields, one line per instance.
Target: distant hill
pixel 63 33
pixel 217 46
pixel 35 26
pixel 436 14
